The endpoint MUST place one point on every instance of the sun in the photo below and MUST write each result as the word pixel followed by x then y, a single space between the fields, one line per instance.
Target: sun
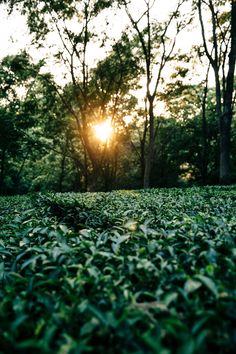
pixel 103 131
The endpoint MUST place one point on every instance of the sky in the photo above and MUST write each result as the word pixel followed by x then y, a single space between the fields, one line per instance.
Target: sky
pixel 14 26
pixel 15 35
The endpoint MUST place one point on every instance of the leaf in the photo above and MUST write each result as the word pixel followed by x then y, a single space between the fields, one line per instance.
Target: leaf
pixel 94 272
pixel 2 272
pixel 5 252
pixel 208 282
pixel 117 242
pixel 121 238
pixel 188 347
pixel 170 297
pixel 32 262
pixel 28 343
pixel 151 305
pixel 199 324
pixel 191 285
pixel 99 315
pixel 64 228
pixel 24 242
pixel 19 320
pixel 85 232
pixel 69 345
pixel 89 327
pixel 131 225
pixel 154 344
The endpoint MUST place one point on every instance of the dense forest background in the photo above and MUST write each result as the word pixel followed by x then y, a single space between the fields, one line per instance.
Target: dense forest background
pixel 170 105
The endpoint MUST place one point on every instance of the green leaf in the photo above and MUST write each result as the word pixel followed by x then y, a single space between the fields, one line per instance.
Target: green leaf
pixel 154 344
pixel 188 347
pixel 18 321
pixel 2 272
pixel 208 282
pixel 191 285
pixel 89 327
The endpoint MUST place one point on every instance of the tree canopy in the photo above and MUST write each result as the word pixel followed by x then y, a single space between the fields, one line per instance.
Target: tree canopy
pixel 135 108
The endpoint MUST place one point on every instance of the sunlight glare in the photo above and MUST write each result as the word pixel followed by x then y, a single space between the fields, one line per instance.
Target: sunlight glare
pixel 103 131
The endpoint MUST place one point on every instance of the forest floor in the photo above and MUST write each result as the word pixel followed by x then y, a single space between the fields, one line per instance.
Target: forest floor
pixel 146 271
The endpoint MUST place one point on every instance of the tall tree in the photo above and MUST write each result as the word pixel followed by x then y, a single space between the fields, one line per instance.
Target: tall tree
pixel 222 45
pixel 91 98
pixel 156 49
pixel 27 100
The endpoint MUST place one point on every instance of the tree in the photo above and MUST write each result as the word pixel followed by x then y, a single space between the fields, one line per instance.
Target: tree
pixel 156 50
pixel 87 97
pixel 17 77
pixel 192 108
pixel 29 120
pixel 108 98
pixel 217 49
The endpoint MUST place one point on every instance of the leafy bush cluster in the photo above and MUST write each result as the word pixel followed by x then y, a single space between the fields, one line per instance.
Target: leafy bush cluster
pixel 150 271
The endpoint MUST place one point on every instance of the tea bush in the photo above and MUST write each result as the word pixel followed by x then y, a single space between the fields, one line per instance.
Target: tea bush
pixel 148 271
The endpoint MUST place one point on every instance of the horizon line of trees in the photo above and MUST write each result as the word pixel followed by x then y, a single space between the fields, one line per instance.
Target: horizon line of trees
pixel 46 131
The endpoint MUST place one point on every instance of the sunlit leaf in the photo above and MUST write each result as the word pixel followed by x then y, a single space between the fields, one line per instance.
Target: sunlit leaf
pixel 208 282
pixel 192 285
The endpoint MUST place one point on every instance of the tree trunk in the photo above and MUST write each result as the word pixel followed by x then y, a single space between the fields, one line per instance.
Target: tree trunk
pixel 223 109
pixel 86 171
pixel 224 150
pixel 2 171
pixel 150 152
pixel 204 150
pixel 142 148
pixel 204 166
pixel 226 117
pixel 63 165
pixel 62 172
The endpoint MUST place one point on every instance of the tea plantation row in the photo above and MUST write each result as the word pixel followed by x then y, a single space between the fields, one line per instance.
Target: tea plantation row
pixel 150 271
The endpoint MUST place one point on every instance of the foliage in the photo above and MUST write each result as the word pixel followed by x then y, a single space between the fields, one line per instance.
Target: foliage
pixel 149 271
pixel 30 118
pixel 47 140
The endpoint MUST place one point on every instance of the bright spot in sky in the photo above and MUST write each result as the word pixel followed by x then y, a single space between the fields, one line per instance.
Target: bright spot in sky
pixel 103 131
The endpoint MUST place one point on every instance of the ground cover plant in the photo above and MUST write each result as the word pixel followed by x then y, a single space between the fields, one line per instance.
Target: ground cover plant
pixel 148 271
